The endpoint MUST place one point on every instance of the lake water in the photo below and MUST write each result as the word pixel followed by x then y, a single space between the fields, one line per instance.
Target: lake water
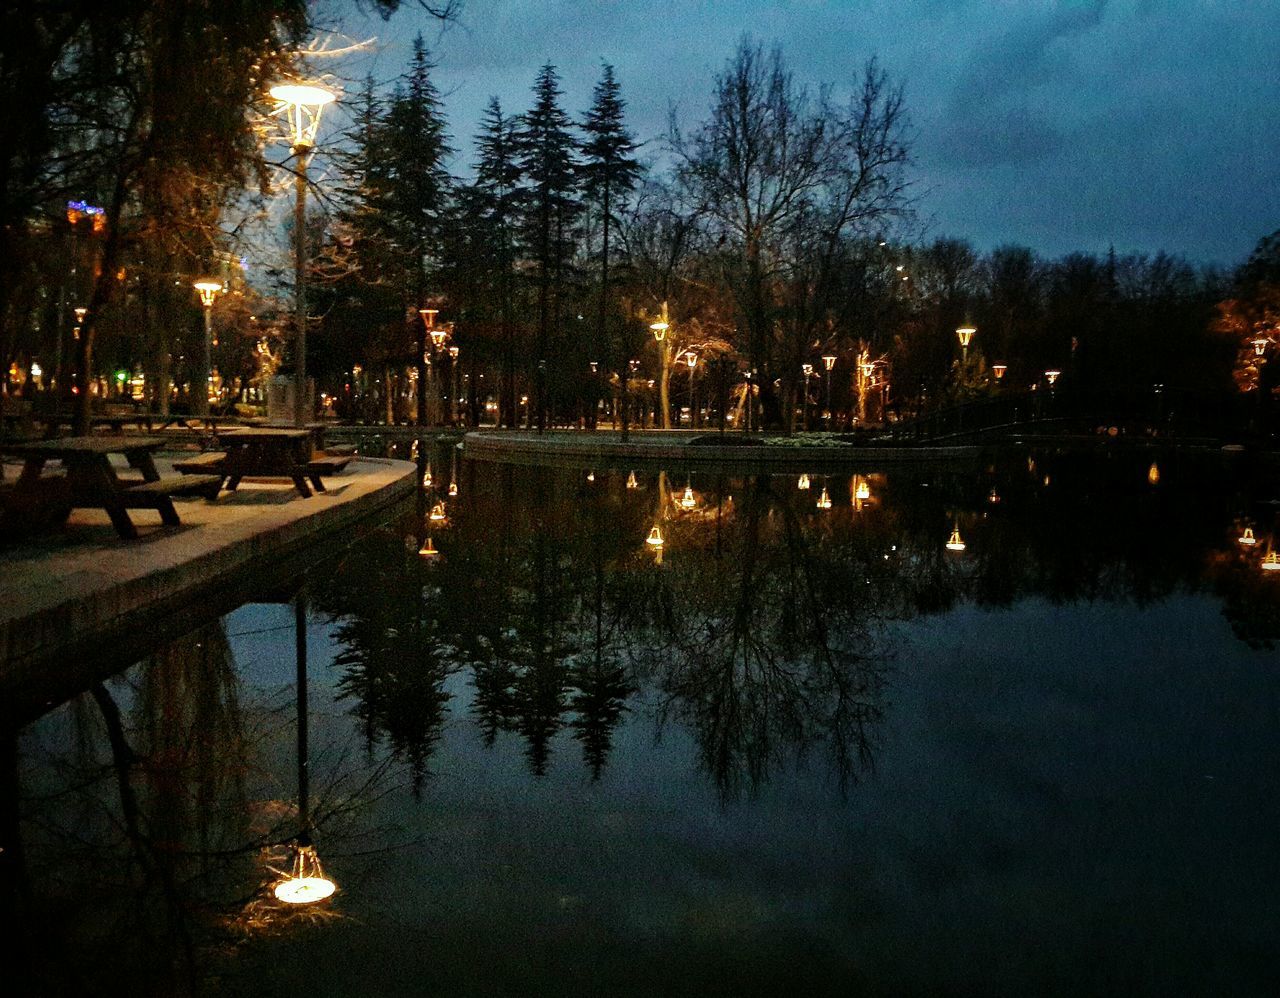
pixel 793 750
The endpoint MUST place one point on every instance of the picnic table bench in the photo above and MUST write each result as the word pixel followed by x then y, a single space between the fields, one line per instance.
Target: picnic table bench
pixel 91 482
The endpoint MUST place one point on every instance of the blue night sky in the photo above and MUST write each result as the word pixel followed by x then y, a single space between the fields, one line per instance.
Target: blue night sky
pixel 1059 124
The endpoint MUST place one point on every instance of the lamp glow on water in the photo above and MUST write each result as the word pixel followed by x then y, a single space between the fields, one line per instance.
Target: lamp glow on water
pixel 306 883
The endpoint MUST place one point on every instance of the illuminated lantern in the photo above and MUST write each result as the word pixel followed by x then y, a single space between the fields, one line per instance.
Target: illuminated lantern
pixel 998 370
pixel 437 512
pixel 803 484
pixel 1247 537
pixel 306 882
pixel 824 500
pixel 631 480
pixel 453 488
pixel 964 334
pixel 428 550
pixel 687 501
pixel 954 543
pixel 655 537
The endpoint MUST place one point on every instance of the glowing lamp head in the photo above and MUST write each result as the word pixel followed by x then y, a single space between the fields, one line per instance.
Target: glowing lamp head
pixel 1052 376
pixel 863 491
pixel 954 542
pixel 829 361
pixel 631 480
pixel 803 483
pixel 965 333
pixel 687 501
pixel 1153 474
pixel 655 537
pixel 429 549
pixel 306 883
pixel 1260 346
pixel 595 367
pixel 591 476
pixel 304 105
pixel 1247 537
pixel 208 290
pixel 428 316
pixel 81 312
pixel 437 512
pixel 1271 563
pixel 824 500
pixel 453 488
pixel 691 359
pixel 437 337
pixel 998 370
pixel 807 369
pixel 659 330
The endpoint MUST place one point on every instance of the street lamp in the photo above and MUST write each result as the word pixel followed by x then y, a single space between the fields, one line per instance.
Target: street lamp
pixel 807 371
pixel 691 359
pixel 829 361
pixel 208 290
pixel 659 329
pixel 303 106
pixel 1052 376
pixel 1260 346
pixel 428 316
pixel 998 370
pixel 964 334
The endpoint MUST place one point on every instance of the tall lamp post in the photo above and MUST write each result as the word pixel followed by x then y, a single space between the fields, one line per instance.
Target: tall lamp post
pixel 828 362
pixel 964 334
pixel 659 329
pixel 428 316
pixel 691 359
pixel 454 406
pixel 303 106
pixel 807 371
pixel 208 290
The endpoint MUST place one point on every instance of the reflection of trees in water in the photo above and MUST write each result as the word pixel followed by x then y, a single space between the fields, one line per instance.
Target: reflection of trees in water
pixel 760 626
pixel 770 650
pixel 394 664
pixel 141 830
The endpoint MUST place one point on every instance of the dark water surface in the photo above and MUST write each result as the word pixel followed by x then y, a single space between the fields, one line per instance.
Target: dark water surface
pixel 796 751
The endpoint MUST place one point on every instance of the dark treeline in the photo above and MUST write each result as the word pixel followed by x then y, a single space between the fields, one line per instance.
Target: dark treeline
pixel 778 227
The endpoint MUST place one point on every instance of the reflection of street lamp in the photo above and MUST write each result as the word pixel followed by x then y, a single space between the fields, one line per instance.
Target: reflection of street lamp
pixel 829 361
pixel 208 290
pixel 1052 376
pixel 303 105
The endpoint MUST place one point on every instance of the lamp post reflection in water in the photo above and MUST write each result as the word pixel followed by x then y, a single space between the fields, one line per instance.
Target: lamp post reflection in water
pixel 305 883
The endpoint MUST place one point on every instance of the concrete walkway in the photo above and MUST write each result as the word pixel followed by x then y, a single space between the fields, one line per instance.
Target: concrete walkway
pixel 81 591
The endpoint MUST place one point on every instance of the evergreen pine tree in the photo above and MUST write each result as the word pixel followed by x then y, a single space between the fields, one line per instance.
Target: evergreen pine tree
pixel 609 173
pixel 494 201
pixel 546 152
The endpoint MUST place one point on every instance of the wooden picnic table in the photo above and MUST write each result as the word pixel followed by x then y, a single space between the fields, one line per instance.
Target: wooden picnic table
pixel 91 481
pixel 261 452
